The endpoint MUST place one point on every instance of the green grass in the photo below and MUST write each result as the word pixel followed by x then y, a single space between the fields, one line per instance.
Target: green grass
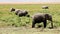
pixel 8 18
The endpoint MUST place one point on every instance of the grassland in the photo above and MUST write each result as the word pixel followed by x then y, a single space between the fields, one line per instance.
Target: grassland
pixel 8 18
pixel 23 24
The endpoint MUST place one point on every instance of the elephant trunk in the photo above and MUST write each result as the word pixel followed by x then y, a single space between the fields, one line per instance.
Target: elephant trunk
pixel 51 24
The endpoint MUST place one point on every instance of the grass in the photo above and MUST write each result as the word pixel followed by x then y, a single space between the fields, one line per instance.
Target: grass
pixel 8 18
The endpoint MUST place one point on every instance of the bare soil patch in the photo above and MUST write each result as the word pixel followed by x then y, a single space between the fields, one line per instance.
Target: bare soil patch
pixel 29 30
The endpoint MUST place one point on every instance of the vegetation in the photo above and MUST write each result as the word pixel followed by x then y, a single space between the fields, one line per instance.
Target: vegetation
pixel 8 18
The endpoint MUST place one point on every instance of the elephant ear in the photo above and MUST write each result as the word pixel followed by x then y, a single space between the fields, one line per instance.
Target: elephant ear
pixel 47 15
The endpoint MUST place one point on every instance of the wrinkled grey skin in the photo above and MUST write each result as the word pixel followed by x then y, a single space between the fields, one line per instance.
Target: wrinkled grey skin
pixel 19 12
pixel 44 7
pixel 41 17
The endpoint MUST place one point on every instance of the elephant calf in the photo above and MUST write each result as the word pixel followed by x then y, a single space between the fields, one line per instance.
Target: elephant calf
pixel 20 12
pixel 41 17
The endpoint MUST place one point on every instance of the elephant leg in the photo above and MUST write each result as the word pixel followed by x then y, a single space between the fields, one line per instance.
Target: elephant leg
pixel 33 24
pixel 45 23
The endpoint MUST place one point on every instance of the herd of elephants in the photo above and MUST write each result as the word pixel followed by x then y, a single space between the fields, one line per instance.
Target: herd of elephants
pixel 36 18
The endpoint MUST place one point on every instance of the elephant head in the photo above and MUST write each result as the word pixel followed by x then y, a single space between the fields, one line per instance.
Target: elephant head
pixel 49 17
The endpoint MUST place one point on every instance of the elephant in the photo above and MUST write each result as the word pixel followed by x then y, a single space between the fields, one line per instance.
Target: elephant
pixel 12 9
pixel 41 17
pixel 20 12
pixel 44 7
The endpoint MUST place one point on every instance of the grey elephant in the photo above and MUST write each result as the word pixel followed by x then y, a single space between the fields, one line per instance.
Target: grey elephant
pixel 44 7
pixel 41 17
pixel 20 12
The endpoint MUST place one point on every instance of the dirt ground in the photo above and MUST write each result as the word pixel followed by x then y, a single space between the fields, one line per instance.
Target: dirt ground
pixel 27 30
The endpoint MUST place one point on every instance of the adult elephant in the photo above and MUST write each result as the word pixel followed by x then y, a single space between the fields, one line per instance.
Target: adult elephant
pixel 20 12
pixel 41 17
pixel 44 7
